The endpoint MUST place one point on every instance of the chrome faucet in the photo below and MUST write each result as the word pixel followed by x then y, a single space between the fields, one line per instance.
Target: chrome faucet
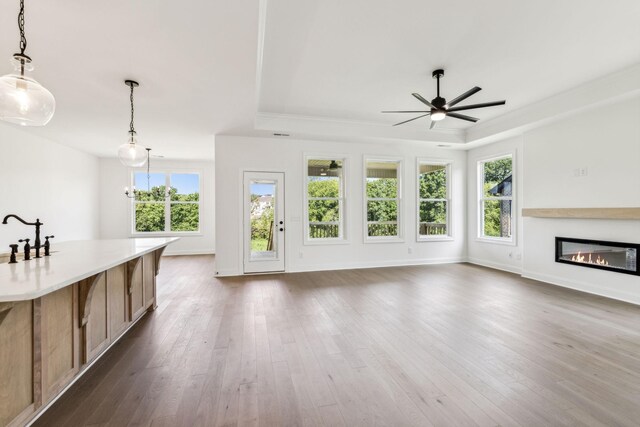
pixel 37 224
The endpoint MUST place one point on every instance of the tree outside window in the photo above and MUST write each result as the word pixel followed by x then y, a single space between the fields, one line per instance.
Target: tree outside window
pixel 166 202
pixel 325 199
pixel 433 200
pixel 496 200
pixel 382 198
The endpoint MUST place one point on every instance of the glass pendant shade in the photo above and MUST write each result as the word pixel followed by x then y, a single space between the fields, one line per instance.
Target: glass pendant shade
pixel 23 100
pixel 132 154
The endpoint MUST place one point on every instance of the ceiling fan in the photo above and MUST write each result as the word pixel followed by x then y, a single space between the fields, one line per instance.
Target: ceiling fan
pixel 333 168
pixel 440 108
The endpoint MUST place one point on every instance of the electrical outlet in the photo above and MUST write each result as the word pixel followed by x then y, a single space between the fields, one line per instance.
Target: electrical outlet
pixel 584 171
pixel 410 250
pixel 519 256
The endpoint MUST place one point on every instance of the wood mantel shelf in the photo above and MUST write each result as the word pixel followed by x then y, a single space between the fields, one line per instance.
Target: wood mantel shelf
pixel 583 213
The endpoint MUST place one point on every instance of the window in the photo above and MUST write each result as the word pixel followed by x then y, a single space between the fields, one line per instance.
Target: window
pixel 433 200
pixel 382 199
pixel 166 202
pixel 325 200
pixel 496 198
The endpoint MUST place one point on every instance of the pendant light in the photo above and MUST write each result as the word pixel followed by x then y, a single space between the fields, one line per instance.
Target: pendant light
pixel 23 100
pixel 131 153
pixel 132 194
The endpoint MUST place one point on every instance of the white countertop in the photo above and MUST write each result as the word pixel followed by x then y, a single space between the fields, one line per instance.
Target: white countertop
pixel 70 263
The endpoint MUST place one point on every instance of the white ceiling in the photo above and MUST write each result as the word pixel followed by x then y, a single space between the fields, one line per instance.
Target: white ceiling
pixel 195 62
pixel 345 61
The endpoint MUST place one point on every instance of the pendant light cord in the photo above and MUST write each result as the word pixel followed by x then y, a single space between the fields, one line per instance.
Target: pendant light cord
pixel 148 171
pixel 23 38
pixel 131 129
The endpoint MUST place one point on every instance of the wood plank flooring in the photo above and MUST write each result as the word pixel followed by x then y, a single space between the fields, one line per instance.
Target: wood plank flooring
pixel 449 345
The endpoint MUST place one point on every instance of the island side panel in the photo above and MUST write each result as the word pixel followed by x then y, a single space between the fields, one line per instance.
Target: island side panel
pixel 16 361
pixel 96 331
pixel 137 290
pixel 59 332
pixel 118 300
pixel 149 279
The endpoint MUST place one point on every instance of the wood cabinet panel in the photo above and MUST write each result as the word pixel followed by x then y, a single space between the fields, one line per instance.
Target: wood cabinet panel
pixel 117 291
pixel 16 365
pixel 97 328
pixel 137 289
pixel 58 339
pixel 149 279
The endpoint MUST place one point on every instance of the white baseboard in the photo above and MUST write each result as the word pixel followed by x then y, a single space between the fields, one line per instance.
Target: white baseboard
pixel 375 264
pixel 227 273
pixel 589 288
pixel 495 265
pixel 188 252
pixel 356 265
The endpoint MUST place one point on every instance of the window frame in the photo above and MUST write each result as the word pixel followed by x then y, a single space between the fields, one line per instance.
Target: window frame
pixel 342 234
pixel 399 238
pixel 480 199
pixel 449 167
pixel 167 203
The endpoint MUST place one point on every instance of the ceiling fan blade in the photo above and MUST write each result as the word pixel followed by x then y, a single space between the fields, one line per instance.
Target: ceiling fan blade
pixel 421 99
pixel 462 116
pixel 463 96
pixel 415 118
pixel 472 106
pixel 433 124
pixel 405 111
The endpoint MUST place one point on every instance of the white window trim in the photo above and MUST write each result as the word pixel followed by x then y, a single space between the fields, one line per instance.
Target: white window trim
pixel 167 219
pixel 342 201
pixel 509 241
pixel 399 200
pixel 449 165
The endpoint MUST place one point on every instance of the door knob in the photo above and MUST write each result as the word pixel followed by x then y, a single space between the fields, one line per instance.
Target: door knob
pixel 281 222
pixel 281 229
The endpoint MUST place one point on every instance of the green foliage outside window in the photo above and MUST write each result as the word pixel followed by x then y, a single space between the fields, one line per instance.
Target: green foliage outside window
pixel 261 227
pixel 150 216
pixel 497 213
pixel 324 211
pixel 382 211
pixel 432 214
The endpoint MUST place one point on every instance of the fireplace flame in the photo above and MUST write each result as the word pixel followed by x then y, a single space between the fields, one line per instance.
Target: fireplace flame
pixel 581 258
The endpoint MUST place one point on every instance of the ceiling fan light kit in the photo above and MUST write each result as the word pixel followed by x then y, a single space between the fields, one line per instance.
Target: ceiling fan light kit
pixel 24 101
pixel 439 108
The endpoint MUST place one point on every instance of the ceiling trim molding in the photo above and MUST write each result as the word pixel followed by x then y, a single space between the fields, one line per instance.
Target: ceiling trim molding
pixel 297 124
pixel 612 88
pixel 262 30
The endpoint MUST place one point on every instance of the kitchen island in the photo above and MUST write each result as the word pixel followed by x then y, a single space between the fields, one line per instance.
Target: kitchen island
pixel 59 313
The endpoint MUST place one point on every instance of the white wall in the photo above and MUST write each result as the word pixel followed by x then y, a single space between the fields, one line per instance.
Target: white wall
pixel 235 154
pixel 502 256
pixel 42 179
pixel 115 221
pixel 607 143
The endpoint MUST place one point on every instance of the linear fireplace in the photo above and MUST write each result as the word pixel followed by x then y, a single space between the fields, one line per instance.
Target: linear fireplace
pixel 613 256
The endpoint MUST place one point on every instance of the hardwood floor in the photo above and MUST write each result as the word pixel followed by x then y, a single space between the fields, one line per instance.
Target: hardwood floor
pixel 426 346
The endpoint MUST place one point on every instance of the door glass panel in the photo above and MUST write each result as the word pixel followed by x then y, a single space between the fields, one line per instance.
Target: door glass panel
pixel 262 218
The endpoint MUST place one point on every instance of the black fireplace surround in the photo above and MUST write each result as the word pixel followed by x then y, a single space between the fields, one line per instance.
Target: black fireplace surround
pixel 611 256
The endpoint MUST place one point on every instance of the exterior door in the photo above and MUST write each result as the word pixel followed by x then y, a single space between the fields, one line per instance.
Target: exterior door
pixel 263 222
